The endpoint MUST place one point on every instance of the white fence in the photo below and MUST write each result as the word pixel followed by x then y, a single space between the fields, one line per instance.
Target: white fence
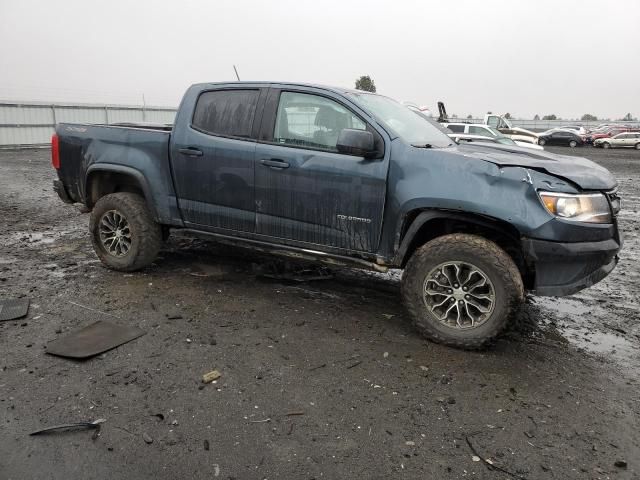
pixel 32 123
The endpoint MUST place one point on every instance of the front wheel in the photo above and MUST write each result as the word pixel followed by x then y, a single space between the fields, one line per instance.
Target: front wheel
pixel 461 290
pixel 123 232
pixel 542 142
pixel 606 145
pixel 637 146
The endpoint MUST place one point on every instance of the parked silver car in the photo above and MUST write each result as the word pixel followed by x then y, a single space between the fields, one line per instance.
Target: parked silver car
pixel 625 139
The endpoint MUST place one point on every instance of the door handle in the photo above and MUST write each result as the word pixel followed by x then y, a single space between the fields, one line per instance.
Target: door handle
pixel 190 152
pixel 274 163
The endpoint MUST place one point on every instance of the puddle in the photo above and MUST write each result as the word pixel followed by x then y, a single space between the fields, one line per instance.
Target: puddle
pixel 36 238
pixel 603 343
pixel 582 325
pixel 565 306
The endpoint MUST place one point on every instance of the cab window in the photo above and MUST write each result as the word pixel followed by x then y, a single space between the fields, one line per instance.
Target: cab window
pixel 226 112
pixel 312 121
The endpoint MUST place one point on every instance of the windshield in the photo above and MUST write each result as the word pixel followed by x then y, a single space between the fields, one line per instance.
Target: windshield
pixel 505 141
pixel 414 129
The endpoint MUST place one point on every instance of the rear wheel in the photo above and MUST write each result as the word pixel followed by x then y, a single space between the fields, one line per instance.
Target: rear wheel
pixel 124 235
pixel 573 144
pixel 606 145
pixel 637 146
pixel 461 290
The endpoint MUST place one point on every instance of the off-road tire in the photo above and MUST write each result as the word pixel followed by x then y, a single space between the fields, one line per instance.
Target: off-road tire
pixel 146 234
pixel 487 256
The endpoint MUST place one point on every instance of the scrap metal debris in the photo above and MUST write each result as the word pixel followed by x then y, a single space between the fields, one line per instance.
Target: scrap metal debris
pixel 211 376
pixel 93 340
pixel 266 420
pixel 95 424
pixel 13 308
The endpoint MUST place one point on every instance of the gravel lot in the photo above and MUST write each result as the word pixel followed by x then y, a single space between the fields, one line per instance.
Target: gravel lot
pixel 322 379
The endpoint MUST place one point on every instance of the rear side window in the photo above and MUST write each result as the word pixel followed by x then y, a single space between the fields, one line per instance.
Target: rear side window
pixel 226 112
pixel 480 131
pixel 456 128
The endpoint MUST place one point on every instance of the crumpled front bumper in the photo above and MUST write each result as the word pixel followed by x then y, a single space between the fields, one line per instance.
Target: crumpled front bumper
pixel 566 268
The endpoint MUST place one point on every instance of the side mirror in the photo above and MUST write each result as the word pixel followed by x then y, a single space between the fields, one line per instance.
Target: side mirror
pixel 355 142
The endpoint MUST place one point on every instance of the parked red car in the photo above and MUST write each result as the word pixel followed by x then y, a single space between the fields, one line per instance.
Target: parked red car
pixel 608 133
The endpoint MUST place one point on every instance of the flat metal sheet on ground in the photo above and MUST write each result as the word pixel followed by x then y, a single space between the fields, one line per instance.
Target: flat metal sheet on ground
pixel 93 340
pixel 13 308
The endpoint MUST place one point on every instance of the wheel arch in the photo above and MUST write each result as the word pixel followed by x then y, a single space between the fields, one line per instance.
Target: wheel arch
pixel 421 226
pixel 103 179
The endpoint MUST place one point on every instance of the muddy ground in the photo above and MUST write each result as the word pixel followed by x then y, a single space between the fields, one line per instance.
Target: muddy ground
pixel 323 379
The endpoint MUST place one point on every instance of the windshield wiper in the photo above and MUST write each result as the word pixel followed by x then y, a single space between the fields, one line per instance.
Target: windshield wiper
pixel 422 145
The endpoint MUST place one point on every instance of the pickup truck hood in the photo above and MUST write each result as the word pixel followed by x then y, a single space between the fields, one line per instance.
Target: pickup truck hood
pixel 584 173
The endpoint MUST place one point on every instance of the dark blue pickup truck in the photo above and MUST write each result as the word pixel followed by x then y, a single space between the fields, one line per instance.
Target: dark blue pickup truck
pixel 348 178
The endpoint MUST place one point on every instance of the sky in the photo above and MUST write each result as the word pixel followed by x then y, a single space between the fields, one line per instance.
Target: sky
pixel 525 57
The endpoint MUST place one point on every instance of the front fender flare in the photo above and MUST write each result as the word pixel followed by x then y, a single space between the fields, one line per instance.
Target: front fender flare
pixel 429 215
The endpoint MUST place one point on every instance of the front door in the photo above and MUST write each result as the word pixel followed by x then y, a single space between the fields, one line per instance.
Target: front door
pixel 305 190
pixel 213 161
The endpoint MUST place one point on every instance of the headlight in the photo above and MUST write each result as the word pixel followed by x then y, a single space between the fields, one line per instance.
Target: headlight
pixel 590 208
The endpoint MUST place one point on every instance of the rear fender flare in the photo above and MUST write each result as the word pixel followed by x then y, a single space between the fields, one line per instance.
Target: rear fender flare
pixel 128 171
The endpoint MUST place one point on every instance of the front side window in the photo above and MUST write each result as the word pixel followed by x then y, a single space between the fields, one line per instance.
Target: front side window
pixel 226 112
pixel 312 121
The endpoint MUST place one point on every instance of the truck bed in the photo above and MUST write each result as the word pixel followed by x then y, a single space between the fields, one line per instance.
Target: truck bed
pixel 87 150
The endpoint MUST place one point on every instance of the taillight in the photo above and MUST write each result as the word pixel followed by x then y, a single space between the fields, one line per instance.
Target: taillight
pixel 55 152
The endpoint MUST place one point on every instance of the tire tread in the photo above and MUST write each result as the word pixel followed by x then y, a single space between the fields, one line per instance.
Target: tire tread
pixel 491 252
pixel 150 236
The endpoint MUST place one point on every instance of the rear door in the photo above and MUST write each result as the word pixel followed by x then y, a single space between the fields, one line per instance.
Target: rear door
pixel 305 190
pixel 624 140
pixel 212 154
pixel 560 138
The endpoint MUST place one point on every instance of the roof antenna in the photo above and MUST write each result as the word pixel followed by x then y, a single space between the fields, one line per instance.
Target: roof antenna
pixel 236 70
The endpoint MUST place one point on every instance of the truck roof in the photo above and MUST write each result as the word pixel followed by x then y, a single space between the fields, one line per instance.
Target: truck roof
pixel 340 90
